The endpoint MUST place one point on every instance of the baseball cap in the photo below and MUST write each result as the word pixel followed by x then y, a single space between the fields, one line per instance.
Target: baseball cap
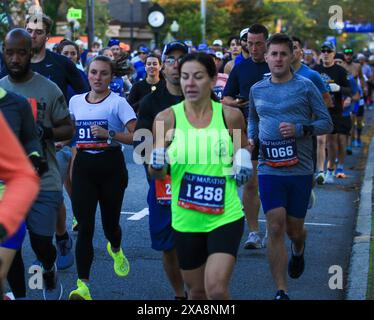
pixel 113 42
pixel 243 33
pixel 218 42
pixel 174 45
pixel 360 56
pixel 329 45
pixel 143 50
pixel 308 51
pixel 348 50
pixel 202 47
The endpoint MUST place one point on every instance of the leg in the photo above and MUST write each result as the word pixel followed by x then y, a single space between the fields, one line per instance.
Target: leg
pixel 251 200
pixel 16 276
pixel 297 233
pixel 195 282
pixel 218 271
pixel 6 257
pixel 171 267
pixel 321 153
pixel 276 248
pixel 332 146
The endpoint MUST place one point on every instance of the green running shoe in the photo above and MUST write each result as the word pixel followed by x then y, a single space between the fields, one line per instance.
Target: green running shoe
pixel 121 264
pixel 81 293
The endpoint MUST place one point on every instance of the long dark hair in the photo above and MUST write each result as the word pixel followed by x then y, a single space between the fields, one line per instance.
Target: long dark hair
pixel 207 61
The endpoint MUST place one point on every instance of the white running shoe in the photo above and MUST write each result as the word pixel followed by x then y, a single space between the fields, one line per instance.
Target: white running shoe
pixel 320 178
pixel 253 241
pixel 329 176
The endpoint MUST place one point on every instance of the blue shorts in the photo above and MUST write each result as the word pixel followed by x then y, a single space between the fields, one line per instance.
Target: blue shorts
pixel 162 234
pixel 15 241
pixel 289 192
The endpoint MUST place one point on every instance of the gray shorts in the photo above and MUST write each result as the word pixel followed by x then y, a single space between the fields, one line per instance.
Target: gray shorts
pixel 63 157
pixel 42 216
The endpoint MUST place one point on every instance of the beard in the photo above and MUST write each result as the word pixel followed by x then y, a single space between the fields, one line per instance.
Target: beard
pixel 20 73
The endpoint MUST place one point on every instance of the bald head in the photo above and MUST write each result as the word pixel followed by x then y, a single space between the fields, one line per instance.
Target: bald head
pixel 19 34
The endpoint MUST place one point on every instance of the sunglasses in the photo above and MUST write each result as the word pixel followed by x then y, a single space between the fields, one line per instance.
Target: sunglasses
pixel 171 60
pixel 326 51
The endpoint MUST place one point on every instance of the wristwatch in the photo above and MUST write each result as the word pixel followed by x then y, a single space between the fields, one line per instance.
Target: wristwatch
pixel 111 135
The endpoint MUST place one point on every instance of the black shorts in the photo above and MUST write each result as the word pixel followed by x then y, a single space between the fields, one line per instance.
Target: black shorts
pixel 255 152
pixel 194 248
pixel 342 125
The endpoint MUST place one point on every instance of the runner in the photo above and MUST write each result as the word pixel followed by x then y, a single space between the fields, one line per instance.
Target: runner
pixel 19 116
pixel 54 124
pixel 208 227
pixel 99 170
pixel 161 232
pixel 336 77
pixel 286 159
pixel 151 83
pixel 236 93
pixel 235 50
pixel 22 186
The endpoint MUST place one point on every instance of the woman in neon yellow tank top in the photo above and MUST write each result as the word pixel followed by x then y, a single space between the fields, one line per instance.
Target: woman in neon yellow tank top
pixel 207 214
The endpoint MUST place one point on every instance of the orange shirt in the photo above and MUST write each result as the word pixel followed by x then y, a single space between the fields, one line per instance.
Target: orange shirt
pixel 20 179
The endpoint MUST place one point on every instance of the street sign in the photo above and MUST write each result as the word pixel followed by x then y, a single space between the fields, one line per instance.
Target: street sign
pixel 74 13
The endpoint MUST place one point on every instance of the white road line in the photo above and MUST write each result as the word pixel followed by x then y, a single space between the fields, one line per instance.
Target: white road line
pixel 312 224
pixel 136 215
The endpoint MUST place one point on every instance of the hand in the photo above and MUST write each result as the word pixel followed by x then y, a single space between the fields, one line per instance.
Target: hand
pixel 334 87
pixel 159 158
pixel 39 163
pixel 252 145
pixel 242 176
pixel 99 132
pixel 240 103
pixel 44 133
pixel 287 130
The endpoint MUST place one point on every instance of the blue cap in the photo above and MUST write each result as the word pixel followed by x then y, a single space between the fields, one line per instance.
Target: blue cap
pixel 144 50
pixel 329 45
pixel 113 42
pixel 202 47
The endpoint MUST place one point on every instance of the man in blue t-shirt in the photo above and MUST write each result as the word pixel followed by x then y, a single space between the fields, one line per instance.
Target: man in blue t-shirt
pixel 236 93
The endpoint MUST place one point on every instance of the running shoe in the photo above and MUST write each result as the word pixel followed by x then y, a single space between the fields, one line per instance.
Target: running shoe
pixel 65 257
pixel 81 293
pixel 329 178
pixel 121 264
pixel 320 178
pixel 52 288
pixel 312 200
pixel 281 295
pixel 339 173
pixel 74 226
pixel 253 241
pixel 296 264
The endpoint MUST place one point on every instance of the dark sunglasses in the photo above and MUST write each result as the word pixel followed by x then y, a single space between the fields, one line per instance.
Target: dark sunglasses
pixel 326 50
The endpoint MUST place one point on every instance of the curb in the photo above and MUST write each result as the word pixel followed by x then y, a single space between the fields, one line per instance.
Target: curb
pixel 360 256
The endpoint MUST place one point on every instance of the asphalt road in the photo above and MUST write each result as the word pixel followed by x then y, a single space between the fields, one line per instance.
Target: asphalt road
pixel 330 229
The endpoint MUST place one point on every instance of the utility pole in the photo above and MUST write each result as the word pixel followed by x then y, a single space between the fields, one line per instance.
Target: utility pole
pixel 203 20
pixel 132 24
pixel 90 9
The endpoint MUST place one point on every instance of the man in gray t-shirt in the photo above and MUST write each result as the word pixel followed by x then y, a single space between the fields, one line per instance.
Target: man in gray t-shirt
pixel 285 111
pixel 54 124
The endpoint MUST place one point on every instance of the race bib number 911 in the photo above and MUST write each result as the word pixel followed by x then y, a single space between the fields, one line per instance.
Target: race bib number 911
pixel 84 137
pixel 202 193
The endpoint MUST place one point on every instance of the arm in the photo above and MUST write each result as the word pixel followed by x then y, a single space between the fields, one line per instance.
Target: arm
pixel 253 121
pixel 63 129
pixel 22 183
pixel 232 89
pixel 161 140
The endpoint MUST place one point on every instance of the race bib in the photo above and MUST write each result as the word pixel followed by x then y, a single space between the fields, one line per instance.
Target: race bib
pixel 202 193
pixel 279 153
pixel 84 136
pixel 163 190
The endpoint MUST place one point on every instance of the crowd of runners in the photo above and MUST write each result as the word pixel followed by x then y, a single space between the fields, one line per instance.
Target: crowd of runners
pixel 262 112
